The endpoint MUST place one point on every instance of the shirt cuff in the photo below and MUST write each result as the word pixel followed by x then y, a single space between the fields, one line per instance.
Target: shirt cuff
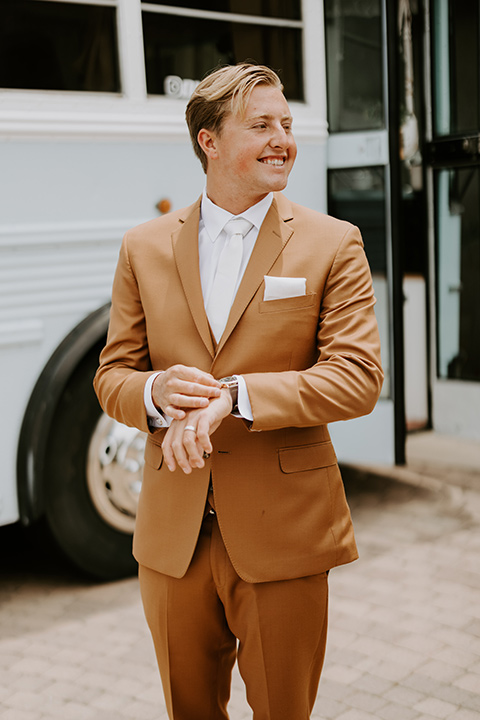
pixel 156 419
pixel 243 402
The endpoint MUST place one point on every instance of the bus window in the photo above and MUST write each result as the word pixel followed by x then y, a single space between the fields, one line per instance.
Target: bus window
pixel 353 33
pixel 58 46
pixel 189 44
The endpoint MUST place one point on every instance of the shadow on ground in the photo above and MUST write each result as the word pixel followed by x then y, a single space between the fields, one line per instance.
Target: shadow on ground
pixel 31 552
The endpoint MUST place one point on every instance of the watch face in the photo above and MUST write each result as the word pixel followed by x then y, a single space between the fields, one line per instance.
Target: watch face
pixel 231 384
pixel 229 381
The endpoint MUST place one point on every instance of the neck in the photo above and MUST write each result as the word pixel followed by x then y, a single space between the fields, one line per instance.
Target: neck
pixel 235 205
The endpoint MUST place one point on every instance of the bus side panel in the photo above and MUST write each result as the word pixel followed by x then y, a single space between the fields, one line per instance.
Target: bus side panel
pixel 66 205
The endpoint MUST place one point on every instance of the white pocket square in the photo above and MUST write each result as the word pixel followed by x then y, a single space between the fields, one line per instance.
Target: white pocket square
pixel 277 288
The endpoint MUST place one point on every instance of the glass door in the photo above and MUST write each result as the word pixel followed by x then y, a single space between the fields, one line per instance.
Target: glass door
pixel 359 191
pixel 454 159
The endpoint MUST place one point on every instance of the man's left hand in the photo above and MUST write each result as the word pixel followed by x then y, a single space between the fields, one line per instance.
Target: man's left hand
pixel 187 440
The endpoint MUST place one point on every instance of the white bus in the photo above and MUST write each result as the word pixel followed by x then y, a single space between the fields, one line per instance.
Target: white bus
pixel 92 142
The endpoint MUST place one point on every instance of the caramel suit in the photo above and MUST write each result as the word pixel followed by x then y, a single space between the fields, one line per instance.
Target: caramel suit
pixel 280 507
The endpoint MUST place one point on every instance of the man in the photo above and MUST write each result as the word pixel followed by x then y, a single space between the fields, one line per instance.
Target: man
pixel 242 511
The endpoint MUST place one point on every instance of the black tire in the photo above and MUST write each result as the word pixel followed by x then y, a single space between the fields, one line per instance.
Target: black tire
pixel 91 543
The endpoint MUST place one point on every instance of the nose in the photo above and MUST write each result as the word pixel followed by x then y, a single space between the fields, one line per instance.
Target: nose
pixel 279 137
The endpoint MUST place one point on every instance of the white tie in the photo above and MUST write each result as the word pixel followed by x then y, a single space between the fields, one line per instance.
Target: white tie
pixel 226 276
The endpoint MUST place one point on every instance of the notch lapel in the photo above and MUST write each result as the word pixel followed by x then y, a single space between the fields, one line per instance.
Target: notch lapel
pixel 185 250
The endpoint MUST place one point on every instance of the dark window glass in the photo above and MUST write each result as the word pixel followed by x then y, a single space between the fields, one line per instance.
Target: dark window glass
pixel 287 9
pixel 187 48
pixel 456 66
pixel 458 269
pixel 57 46
pixel 358 195
pixel 354 65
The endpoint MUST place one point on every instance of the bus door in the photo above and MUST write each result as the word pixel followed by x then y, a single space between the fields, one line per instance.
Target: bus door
pixel 359 190
pixel 454 216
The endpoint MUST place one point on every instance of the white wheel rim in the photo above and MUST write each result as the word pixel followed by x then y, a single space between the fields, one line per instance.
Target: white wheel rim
pixel 114 472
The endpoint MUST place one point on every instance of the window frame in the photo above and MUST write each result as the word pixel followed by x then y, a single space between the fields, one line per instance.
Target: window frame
pixel 133 112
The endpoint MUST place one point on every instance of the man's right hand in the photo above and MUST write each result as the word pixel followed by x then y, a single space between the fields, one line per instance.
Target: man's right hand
pixel 182 388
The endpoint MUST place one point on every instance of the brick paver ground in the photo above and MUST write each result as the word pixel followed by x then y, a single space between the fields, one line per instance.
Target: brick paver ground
pixel 404 640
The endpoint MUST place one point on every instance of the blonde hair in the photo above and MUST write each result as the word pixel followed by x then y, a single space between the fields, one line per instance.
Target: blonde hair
pixel 226 90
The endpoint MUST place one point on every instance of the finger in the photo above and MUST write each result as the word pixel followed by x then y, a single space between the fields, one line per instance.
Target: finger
pixel 177 385
pixel 179 451
pixel 192 389
pixel 193 374
pixel 173 450
pixel 168 456
pixel 180 400
pixel 207 391
pixel 203 435
pixel 193 449
pixel 183 373
pixel 175 412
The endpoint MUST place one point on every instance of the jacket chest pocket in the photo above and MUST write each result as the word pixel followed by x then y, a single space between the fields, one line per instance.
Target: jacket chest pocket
pixel 294 319
pixel 301 302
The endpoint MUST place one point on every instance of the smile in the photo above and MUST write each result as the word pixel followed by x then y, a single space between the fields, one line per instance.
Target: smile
pixel 277 162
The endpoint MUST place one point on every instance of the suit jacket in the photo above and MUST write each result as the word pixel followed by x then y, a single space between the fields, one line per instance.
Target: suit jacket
pixel 307 361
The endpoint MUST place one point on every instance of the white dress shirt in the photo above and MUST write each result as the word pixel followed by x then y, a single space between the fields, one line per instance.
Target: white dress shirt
pixel 211 237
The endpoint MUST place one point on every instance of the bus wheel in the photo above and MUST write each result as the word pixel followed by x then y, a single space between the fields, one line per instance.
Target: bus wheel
pixel 94 470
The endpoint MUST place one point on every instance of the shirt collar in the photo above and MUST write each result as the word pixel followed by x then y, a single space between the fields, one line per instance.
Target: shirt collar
pixel 215 218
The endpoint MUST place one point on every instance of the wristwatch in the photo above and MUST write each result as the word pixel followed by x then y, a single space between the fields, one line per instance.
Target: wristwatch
pixel 231 383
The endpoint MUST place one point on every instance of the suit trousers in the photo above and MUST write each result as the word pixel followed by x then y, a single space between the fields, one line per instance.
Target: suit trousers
pixel 201 623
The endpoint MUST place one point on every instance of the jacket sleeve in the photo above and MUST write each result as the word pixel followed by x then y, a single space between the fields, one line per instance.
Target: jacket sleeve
pixel 125 361
pixel 346 380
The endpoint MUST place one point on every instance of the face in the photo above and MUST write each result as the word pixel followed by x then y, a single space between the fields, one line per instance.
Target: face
pixel 253 154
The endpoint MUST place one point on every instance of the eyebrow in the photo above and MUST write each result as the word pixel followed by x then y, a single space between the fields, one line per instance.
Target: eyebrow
pixel 267 116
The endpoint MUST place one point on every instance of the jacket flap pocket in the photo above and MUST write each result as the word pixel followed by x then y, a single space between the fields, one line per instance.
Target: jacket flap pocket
pixel 307 457
pixel 153 454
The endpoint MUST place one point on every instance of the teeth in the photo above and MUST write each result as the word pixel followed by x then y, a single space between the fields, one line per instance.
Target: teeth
pixel 274 161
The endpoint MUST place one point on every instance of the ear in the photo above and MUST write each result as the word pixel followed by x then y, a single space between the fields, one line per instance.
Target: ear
pixel 207 141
